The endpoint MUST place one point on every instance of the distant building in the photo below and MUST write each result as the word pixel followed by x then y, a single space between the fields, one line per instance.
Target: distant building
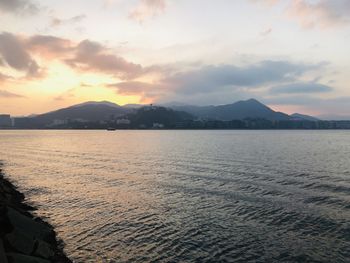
pixel 5 121
pixel 79 120
pixel 24 123
pixel 343 125
pixel 158 126
pixel 123 121
pixel 59 122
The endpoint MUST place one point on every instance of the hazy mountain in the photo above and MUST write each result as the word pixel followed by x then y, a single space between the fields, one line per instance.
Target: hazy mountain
pixel 236 111
pixel 90 111
pixel 334 117
pixel 107 103
pixel 133 106
pixel 302 117
pixel 103 110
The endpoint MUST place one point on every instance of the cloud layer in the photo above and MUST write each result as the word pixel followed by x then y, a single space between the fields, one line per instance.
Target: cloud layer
pixel 18 6
pixel 9 95
pixel 14 54
pixel 147 9
pixel 92 56
pixel 211 78
pixel 220 83
pixel 317 13
pixel 17 52
pixel 55 22
pixel 301 88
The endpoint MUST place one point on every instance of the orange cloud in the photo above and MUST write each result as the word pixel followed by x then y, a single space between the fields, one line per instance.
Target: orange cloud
pixel 147 92
pixel 3 77
pixel 92 56
pixel 9 95
pixel 17 52
pixel 49 46
pixel 55 22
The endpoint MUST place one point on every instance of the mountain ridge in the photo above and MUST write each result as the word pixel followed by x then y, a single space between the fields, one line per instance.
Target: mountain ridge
pixel 239 110
pixel 104 110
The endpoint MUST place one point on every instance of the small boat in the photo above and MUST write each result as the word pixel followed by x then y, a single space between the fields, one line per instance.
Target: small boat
pixel 110 129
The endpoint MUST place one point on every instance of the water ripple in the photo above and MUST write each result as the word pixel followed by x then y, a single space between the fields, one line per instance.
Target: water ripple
pixel 189 196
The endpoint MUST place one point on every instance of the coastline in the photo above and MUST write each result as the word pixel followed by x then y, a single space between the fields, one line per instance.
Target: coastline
pixel 23 237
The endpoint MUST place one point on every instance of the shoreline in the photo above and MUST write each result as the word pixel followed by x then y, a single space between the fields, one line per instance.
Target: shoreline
pixel 24 237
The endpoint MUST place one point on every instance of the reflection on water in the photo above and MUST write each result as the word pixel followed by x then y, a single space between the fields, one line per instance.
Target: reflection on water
pixel 181 196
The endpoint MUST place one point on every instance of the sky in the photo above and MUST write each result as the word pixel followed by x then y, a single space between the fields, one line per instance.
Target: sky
pixel 292 55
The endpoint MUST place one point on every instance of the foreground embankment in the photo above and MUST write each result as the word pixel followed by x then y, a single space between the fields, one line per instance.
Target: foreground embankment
pixel 23 237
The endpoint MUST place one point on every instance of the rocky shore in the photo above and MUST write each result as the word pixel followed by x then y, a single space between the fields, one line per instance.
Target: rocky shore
pixel 23 237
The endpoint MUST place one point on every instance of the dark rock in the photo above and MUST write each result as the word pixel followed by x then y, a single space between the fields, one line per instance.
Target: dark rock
pixel 21 232
pixel 19 258
pixel 3 258
pixel 44 250
pixel 29 226
pixel 21 242
pixel 5 226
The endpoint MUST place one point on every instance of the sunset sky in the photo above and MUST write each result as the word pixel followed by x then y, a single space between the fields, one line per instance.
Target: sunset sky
pixel 293 55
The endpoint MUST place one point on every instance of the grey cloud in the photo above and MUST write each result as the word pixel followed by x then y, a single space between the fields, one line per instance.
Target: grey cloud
pixel 92 56
pixel 9 95
pixel 14 54
pixel 338 105
pixel 266 32
pixel 220 83
pixel 308 100
pixel 301 87
pixel 49 44
pixel 298 100
pixel 55 22
pixel 219 97
pixel 18 6
pixel 212 78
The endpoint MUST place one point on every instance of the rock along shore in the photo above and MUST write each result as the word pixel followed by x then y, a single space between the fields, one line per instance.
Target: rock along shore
pixel 24 238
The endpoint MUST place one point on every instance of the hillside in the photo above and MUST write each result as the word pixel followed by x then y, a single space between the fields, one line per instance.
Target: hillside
pixel 148 116
pixel 237 111
pixel 303 117
pixel 86 111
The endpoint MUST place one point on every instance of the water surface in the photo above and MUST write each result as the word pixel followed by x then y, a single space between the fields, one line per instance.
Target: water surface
pixel 188 196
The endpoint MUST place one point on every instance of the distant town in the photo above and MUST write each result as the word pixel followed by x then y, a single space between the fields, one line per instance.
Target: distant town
pixel 249 114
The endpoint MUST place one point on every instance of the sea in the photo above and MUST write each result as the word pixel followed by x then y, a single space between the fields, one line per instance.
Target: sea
pixel 188 196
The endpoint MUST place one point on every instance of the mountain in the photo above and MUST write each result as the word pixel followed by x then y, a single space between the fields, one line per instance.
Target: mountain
pixel 302 117
pixel 133 106
pixel 106 103
pixel 89 111
pixel 93 111
pixel 237 111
